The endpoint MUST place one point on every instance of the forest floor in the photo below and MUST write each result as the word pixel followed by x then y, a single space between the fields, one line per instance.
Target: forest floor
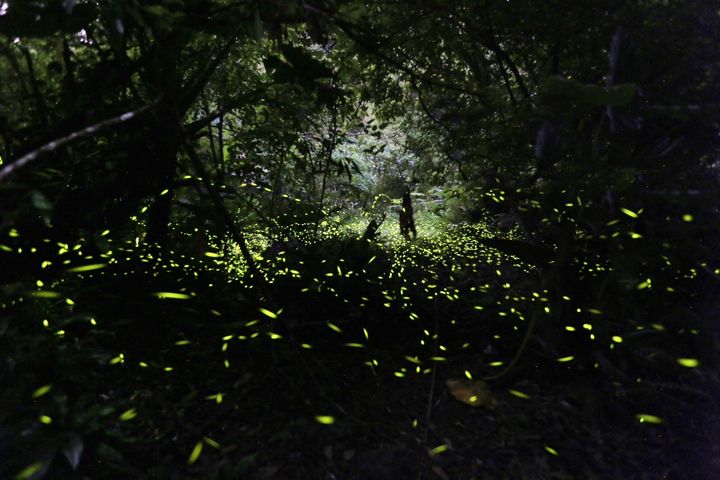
pixel 351 360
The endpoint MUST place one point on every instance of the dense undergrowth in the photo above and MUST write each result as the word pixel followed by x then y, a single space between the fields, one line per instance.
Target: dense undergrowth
pixel 349 359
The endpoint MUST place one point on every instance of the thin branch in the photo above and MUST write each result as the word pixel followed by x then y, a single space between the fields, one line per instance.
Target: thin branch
pixel 85 132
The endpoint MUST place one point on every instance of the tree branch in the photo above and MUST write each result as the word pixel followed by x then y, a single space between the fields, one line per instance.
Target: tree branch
pixel 85 132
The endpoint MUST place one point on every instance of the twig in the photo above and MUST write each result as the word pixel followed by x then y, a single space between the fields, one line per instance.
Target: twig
pixel 57 143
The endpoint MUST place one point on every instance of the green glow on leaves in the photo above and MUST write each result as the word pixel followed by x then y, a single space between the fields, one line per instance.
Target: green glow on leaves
pixel 325 419
pixel 551 451
pixel 41 391
pixel 29 471
pixel 439 449
pixel 629 213
pixel 218 397
pixel 268 313
pixel 211 442
pixel 45 419
pixel 119 359
pixel 688 362
pixel 195 454
pixel 87 268
pixel 171 295
pixel 647 418
pixel 45 294
pixel 128 415
pixel 519 394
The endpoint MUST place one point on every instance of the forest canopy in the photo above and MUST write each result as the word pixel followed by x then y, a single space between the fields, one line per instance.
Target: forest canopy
pixel 205 209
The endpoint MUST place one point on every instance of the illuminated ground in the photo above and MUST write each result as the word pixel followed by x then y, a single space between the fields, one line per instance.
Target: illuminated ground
pixel 349 360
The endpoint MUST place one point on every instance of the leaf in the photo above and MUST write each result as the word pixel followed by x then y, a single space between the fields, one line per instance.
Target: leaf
pixel 471 392
pixel 73 450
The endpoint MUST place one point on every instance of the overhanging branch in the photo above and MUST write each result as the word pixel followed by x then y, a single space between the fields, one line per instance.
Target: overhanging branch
pixel 57 143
